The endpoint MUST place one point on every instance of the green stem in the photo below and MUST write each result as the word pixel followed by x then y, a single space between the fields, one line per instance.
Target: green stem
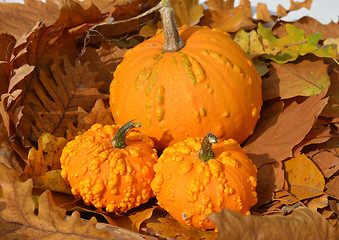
pixel 120 137
pixel 173 42
pixel 206 152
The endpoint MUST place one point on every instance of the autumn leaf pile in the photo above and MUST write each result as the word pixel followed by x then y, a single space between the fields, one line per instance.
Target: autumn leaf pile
pixel 57 60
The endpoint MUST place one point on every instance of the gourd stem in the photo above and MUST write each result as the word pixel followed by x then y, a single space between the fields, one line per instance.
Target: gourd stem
pixel 206 152
pixel 173 42
pixel 120 137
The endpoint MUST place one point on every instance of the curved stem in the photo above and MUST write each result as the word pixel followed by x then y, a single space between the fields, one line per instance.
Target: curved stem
pixel 173 42
pixel 206 152
pixel 120 137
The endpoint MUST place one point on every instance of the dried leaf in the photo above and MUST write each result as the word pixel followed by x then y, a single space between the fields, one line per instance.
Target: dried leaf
pixel 318 134
pixel 281 11
pixel 305 78
pixel 30 12
pixel 169 228
pixel 134 220
pixel 318 203
pixel 303 223
pixel 53 104
pixel 327 162
pixel 333 187
pixel 8 156
pixel 294 43
pixel 304 179
pixel 332 108
pixel 263 13
pixel 18 218
pixel 275 138
pixel 100 113
pixel 220 5
pixel 187 12
pixel 39 49
pixel 7 43
pixel 230 20
pixel 53 181
pixel 270 177
pixel 297 5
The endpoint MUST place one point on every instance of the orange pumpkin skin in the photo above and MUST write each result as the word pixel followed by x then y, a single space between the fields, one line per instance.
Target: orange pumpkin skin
pixel 113 178
pixel 210 85
pixel 190 189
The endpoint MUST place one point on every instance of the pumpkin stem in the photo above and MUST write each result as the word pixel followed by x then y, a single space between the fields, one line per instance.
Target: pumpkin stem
pixel 206 152
pixel 120 137
pixel 173 42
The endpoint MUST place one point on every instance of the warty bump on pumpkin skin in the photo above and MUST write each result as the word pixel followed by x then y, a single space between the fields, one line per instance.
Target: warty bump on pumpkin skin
pixel 116 179
pixel 226 181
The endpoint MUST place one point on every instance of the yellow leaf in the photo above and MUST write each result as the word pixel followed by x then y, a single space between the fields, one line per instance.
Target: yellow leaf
pixel 304 179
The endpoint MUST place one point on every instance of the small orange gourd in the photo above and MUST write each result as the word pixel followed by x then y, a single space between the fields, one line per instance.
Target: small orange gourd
pixel 196 76
pixel 110 166
pixel 193 179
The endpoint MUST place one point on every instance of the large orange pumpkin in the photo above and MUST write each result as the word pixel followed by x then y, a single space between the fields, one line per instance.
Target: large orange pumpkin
pixel 193 179
pixel 202 82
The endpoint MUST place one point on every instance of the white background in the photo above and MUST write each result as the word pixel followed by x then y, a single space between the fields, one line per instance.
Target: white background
pixel 324 11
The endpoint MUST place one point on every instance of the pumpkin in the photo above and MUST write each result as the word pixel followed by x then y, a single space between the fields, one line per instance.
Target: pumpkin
pixel 110 166
pixel 196 76
pixel 193 179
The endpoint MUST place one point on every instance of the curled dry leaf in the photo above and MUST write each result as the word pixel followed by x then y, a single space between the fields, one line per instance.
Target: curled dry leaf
pixel 18 217
pixel 305 78
pixel 274 139
pixel 302 224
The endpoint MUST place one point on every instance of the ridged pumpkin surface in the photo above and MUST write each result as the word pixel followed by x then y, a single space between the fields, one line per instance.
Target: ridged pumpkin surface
pixel 108 177
pixel 190 189
pixel 210 85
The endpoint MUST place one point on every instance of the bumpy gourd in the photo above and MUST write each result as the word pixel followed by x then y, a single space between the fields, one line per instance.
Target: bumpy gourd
pixel 193 179
pixel 197 83
pixel 110 167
